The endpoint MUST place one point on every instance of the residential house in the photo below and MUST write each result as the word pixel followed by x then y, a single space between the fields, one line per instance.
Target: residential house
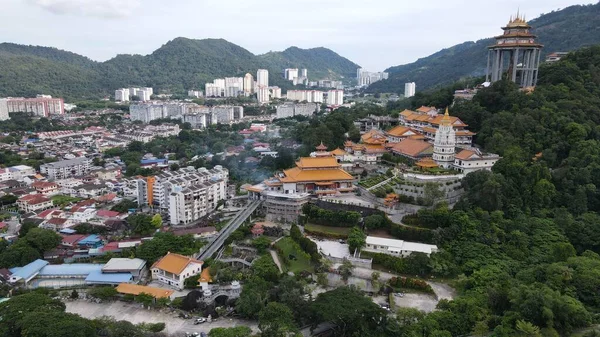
pixel 33 203
pixel 45 188
pixel 172 269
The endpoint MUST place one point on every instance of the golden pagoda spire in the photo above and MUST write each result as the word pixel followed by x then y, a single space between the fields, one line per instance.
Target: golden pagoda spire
pixel 446 119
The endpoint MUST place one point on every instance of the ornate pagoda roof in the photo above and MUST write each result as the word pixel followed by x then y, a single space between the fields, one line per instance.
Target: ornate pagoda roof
pixel 321 147
pixel 516 34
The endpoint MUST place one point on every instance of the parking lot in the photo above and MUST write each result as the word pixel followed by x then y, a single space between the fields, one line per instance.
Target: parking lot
pixel 133 313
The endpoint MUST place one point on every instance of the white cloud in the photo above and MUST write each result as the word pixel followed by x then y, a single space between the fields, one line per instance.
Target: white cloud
pixel 96 8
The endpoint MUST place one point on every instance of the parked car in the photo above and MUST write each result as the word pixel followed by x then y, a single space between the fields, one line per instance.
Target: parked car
pixel 199 320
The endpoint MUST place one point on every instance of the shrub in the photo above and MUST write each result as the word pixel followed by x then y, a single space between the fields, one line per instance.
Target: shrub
pixel 103 293
pixel 156 327
pixel 411 283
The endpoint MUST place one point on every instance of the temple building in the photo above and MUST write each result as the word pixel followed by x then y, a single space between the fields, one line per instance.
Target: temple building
pixel 401 132
pixel 427 120
pixel 288 191
pixel 371 148
pixel 515 55
pixel 444 145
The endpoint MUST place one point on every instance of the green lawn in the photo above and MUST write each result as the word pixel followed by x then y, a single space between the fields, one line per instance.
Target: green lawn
pixel 327 230
pixel 290 247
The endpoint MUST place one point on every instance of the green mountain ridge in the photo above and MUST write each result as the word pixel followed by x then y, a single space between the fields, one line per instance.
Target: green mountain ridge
pixel 178 65
pixel 562 30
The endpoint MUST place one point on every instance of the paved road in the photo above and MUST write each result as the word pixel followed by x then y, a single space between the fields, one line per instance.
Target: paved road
pixel 233 224
pixel 135 314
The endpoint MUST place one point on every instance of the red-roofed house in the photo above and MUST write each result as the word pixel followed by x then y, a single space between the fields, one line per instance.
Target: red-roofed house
pixel 33 203
pixel 45 188
pixel 71 240
pixel 3 227
pixel 49 213
pixel 104 213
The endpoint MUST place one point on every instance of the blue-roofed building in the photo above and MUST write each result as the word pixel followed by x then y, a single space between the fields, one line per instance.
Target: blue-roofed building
pixel 67 231
pixel 80 270
pixel 27 272
pixel 44 275
pixel 98 277
pixel 153 162
pixel 92 241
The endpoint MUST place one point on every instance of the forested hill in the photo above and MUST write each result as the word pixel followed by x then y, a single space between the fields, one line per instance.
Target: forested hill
pixel 177 66
pixel 564 30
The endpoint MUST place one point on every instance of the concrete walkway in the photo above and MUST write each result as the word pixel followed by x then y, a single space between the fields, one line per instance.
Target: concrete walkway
pixel 276 259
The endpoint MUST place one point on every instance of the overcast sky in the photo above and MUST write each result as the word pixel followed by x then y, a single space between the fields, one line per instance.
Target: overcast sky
pixel 375 34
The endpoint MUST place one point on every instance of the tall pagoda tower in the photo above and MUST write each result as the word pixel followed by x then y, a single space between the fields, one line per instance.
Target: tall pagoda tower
pixel 515 53
pixel 444 144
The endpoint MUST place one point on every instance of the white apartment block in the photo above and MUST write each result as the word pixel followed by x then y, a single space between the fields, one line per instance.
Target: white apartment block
pixel 304 73
pixel 16 172
pixel 213 90
pixel 226 113
pixel 122 95
pixel 364 78
pixel 188 204
pixel 330 84
pixel 299 109
pixel 4 109
pixel 42 105
pixel 310 96
pixel 248 84
pixel 167 182
pixel 290 74
pixel 143 95
pixel 125 94
pixel 409 89
pixel 66 168
pixel 275 92
pixel 262 94
pixel 195 93
pixel 335 97
pixel 197 115
pixel 262 77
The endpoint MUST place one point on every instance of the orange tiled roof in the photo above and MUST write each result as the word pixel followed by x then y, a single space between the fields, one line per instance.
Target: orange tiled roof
pixel 464 154
pixel 431 130
pixel 134 289
pixel 338 152
pixel 455 121
pixel 174 263
pixel 412 147
pixel 427 162
pixel 318 162
pixel 205 275
pixel 370 148
pixel 374 136
pixel 425 108
pixel 254 189
pixel 400 130
pixel 406 113
pixel 298 175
